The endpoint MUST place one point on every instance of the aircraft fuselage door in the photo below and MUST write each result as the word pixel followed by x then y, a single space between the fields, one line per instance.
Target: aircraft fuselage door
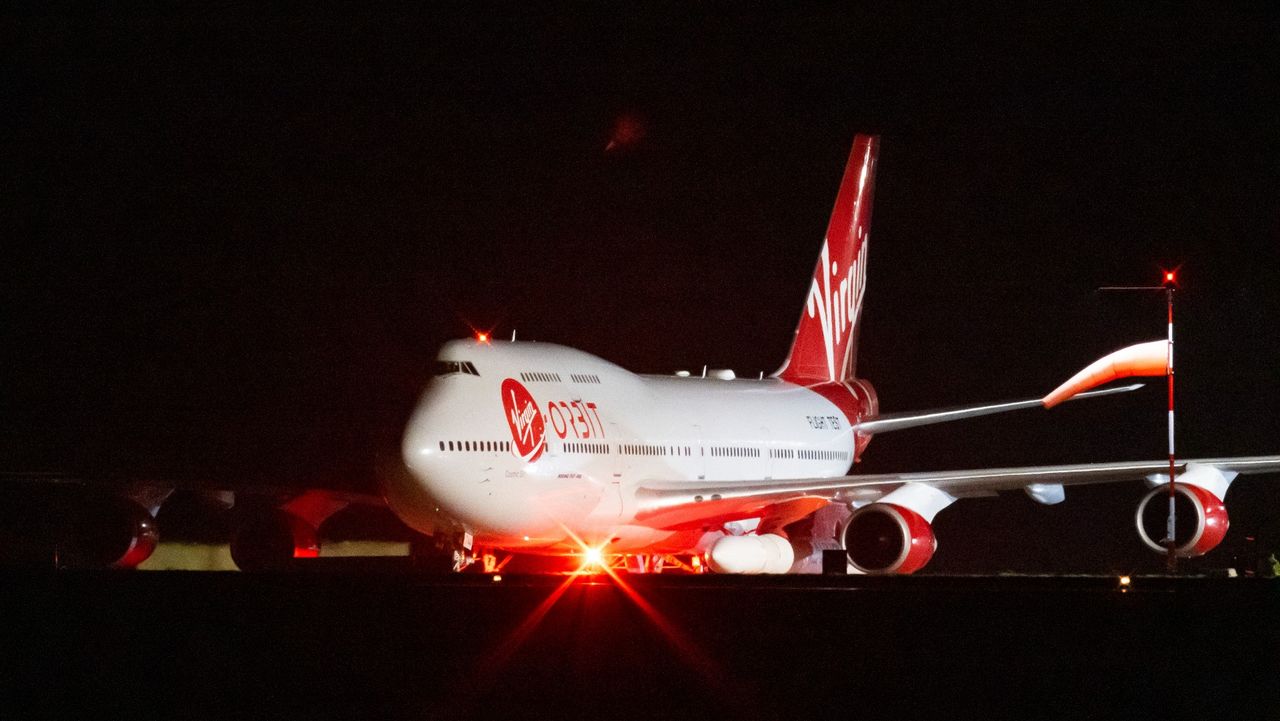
pixel 617 459
pixel 698 454
pixel 767 460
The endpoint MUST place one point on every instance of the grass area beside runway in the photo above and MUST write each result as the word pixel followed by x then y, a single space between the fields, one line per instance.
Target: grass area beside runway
pixel 217 556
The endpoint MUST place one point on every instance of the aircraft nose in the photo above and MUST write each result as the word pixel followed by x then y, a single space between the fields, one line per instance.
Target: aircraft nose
pixel 421 449
pixel 414 496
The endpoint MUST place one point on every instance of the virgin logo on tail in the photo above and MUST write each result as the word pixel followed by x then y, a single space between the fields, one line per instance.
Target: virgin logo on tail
pixel 823 350
pixel 836 307
pixel 528 431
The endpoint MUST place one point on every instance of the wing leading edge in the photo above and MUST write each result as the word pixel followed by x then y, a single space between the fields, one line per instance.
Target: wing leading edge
pixel 676 504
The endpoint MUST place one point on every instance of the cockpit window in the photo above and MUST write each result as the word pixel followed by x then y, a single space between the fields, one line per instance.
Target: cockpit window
pixel 449 367
pixel 444 368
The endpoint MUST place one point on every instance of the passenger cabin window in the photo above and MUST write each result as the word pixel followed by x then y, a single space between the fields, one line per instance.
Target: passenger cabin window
pixel 539 377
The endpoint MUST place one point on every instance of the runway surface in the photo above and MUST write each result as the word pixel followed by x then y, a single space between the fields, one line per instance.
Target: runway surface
pixel 343 644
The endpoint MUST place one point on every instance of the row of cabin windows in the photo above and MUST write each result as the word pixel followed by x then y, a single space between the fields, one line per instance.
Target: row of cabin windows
pixel 538 377
pixel 599 448
pixel 734 452
pixel 641 449
pixel 449 367
pixel 476 446
pixel 823 455
pixel 542 377
pixel 738 452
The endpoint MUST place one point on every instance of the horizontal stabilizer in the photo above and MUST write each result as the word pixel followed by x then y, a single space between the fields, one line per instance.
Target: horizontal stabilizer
pixel 899 421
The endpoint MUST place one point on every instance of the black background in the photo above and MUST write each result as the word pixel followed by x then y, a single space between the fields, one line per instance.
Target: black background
pixel 337 646
pixel 234 238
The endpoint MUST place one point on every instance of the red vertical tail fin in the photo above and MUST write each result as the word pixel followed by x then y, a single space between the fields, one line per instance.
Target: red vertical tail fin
pixel 825 346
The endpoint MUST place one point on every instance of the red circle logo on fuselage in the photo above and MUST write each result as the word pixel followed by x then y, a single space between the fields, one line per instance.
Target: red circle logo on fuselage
pixel 527 428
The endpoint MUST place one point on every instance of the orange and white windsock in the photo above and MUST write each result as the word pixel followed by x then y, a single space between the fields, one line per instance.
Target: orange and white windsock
pixel 1143 359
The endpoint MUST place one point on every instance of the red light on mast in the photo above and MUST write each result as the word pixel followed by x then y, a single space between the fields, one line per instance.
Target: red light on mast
pixel 482 337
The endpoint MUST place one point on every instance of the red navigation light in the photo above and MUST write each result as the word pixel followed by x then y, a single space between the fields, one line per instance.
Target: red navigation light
pixel 1168 276
pixel 482 337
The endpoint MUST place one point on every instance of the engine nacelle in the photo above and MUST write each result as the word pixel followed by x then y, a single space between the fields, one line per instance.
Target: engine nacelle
pixel 117 533
pixel 766 553
pixel 883 538
pixel 268 539
pixel 1202 520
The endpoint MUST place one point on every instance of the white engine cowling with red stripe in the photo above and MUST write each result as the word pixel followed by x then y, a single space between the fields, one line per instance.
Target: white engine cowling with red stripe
pixel 894 535
pixel 1201 516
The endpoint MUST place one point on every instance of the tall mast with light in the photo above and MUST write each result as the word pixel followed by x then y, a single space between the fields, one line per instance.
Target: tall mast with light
pixel 1171 561
pixel 1168 284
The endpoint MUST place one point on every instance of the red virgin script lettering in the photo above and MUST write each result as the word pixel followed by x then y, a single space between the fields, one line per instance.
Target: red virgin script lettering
pixel 528 432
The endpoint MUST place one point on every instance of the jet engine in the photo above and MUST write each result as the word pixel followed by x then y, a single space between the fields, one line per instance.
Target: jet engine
pixel 268 539
pixel 765 553
pixel 1201 519
pixel 109 533
pixel 884 538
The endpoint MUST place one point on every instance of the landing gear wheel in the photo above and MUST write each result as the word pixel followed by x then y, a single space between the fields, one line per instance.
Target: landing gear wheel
pixel 441 553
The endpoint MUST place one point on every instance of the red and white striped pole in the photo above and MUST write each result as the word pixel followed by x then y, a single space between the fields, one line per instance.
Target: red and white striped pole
pixel 1171 561
pixel 1168 285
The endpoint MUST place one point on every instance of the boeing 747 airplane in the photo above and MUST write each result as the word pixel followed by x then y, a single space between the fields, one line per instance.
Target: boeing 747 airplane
pixel 543 449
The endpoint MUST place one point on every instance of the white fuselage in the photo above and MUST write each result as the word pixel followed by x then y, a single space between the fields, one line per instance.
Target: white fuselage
pixel 530 444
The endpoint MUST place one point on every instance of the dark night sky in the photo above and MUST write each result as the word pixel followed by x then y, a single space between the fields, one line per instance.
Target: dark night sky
pixel 234 239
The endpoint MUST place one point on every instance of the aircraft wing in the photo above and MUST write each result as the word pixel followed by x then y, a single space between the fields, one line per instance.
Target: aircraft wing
pixel 128 487
pixel 898 421
pixel 674 504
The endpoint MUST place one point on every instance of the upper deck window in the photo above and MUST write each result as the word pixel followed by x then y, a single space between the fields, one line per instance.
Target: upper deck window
pixel 449 367
pixel 540 377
